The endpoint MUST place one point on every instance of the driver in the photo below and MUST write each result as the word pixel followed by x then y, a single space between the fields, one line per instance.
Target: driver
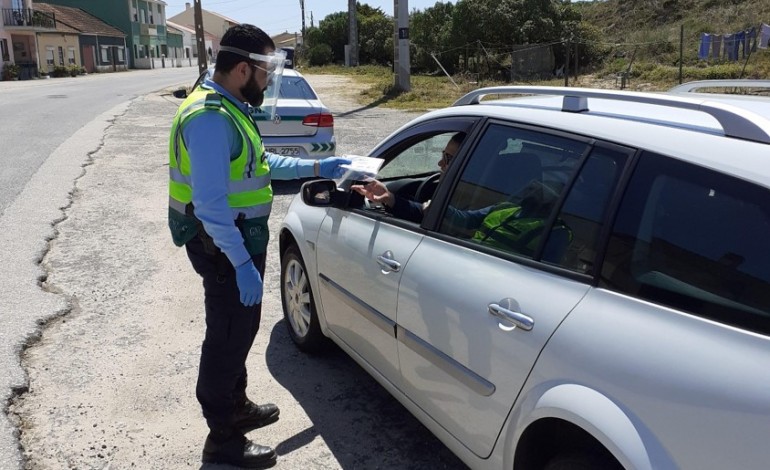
pixel 399 206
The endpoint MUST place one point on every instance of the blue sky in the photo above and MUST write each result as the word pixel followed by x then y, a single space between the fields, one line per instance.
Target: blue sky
pixel 277 16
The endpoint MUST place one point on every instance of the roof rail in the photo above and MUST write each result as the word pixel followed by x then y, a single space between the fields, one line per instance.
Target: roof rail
pixel 728 83
pixel 735 121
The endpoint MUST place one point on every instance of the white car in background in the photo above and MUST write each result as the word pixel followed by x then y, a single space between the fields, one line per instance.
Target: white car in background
pixel 611 311
pixel 302 127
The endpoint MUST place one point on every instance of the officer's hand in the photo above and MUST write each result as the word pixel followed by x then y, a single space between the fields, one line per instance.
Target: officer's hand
pixel 330 167
pixel 249 283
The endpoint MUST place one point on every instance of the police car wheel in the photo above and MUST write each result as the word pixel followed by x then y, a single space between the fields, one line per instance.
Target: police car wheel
pixel 298 304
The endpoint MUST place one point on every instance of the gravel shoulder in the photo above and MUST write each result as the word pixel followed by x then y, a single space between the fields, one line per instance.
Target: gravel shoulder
pixel 112 382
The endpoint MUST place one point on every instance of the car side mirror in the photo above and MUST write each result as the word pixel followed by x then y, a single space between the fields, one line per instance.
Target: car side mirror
pixel 322 193
pixel 180 93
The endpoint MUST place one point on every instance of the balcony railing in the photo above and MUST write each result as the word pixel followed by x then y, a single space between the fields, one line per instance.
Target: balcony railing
pixel 28 17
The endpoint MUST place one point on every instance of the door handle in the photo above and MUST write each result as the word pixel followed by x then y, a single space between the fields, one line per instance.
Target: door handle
pixel 522 321
pixel 387 263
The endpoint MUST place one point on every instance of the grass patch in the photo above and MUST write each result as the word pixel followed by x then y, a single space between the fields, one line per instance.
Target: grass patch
pixel 427 92
pixel 434 92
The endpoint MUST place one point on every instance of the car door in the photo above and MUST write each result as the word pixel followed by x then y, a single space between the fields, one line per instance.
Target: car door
pixel 477 306
pixel 361 254
pixel 680 323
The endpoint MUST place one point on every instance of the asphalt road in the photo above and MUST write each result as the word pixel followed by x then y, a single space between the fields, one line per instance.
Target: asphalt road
pixel 36 116
pixel 113 315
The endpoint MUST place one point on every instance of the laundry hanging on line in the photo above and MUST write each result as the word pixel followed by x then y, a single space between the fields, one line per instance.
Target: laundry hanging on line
pixel 764 36
pixel 733 46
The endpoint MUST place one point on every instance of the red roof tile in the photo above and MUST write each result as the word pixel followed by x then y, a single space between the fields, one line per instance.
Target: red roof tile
pixel 69 19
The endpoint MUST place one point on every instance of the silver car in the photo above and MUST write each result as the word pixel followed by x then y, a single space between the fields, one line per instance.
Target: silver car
pixel 302 127
pixel 589 287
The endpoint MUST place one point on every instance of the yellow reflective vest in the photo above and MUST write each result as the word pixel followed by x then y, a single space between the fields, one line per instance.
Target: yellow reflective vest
pixel 250 195
pixel 505 228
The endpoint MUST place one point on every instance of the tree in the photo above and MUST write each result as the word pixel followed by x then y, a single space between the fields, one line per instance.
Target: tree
pixel 505 22
pixel 334 33
pixel 376 37
pixel 431 32
pixel 375 33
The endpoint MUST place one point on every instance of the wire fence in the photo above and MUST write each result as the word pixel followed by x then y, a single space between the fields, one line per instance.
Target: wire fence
pixel 657 59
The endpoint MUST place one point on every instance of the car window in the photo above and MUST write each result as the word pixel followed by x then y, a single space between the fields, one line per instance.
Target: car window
pixel 296 88
pixel 693 239
pixel 418 159
pixel 584 209
pixel 509 188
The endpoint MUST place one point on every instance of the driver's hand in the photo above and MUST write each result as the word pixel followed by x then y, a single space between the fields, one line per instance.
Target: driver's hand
pixel 375 191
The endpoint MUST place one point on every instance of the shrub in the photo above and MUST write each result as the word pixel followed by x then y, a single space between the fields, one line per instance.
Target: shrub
pixel 319 54
pixel 11 71
pixel 60 71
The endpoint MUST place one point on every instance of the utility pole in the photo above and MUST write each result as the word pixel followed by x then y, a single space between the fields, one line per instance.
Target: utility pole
pixel 401 44
pixel 200 37
pixel 302 7
pixel 352 34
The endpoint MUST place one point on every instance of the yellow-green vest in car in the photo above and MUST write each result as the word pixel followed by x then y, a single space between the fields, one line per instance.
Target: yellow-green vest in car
pixel 506 228
pixel 250 195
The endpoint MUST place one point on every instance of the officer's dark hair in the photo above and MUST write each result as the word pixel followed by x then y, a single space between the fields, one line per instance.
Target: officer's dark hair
pixel 243 36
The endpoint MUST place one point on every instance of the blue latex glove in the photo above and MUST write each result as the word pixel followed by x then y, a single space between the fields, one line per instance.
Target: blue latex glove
pixel 330 167
pixel 249 283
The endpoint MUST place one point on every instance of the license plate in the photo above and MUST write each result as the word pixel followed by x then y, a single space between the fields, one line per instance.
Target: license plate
pixel 288 151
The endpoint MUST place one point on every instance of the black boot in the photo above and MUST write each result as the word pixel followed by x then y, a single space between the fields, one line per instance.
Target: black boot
pixel 250 416
pixel 235 449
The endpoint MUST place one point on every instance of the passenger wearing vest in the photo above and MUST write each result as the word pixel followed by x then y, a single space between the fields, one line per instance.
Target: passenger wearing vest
pixel 219 203
pixel 508 226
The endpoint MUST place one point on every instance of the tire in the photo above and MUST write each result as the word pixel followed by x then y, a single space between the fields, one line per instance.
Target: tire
pixel 583 461
pixel 299 304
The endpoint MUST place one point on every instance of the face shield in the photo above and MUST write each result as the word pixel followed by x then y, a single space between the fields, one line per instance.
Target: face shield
pixel 273 65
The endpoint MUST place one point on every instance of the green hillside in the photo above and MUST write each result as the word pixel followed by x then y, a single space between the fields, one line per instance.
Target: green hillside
pixel 646 35
pixel 628 19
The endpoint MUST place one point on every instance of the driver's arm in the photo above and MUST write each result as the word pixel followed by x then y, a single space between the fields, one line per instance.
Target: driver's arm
pixel 398 206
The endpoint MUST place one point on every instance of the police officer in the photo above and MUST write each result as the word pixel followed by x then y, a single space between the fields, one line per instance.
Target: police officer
pixel 220 200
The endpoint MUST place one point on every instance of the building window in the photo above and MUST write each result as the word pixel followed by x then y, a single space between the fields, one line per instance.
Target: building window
pixel 121 56
pixel 49 55
pixel 105 55
pixel 71 55
pixel 61 55
pixel 134 14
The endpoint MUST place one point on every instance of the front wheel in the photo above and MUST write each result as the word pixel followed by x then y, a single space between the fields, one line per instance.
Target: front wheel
pixel 298 303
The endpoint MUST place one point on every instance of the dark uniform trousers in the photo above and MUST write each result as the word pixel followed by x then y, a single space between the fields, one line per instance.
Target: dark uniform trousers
pixel 230 331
